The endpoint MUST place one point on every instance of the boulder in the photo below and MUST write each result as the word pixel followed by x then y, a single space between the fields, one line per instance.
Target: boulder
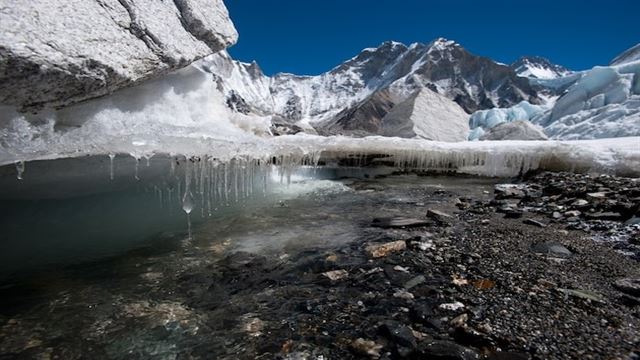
pixel 56 53
pixel 516 130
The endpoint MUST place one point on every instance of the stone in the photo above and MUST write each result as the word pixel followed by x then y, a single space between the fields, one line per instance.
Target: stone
pixel 400 334
pixel 335 275
pixel 439 216
pixel 77 50
pixel 534 223
pixel 403 294
pixel 630 286
pixel 583 294
pixel 442 349
pixel 398 222
pixel 604 216
pixel 415 282
pixel 633 221
pixel 454 306
pixel 509 191
pixel 580 203
pixel 572 213
pixel 597 195
pixel 551 248
pixel 366 347
pixel 382 250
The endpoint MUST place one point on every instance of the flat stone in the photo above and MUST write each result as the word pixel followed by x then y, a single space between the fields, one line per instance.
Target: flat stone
pixel 400 334
pixel 439 215
pixel 382 250
pixel 580 203
pixel 534 223
pixel 633 221
pixel 551 248
pixel 399 222
pixel 415 282
pixel 604 216
pixel 509 191
pixel 442 349
pixel 584 294
pixel 335 275
pixel 630 286
pixel 597 195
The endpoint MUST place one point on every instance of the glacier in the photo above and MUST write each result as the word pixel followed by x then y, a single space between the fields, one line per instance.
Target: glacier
pixel 184 115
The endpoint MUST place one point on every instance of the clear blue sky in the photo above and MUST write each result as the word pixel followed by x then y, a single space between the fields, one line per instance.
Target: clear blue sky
pixel 312 36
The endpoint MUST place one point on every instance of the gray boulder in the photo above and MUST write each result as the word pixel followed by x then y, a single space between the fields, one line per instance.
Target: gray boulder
pixel 516 130
pixel 55 53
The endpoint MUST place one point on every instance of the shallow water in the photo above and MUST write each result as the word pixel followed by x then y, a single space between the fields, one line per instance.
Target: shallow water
pixel 139 303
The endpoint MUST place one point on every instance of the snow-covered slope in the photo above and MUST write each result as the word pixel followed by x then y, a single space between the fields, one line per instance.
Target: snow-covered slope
pixel 537 67
pixel 630 55
pixel 390 73
pixel 427 115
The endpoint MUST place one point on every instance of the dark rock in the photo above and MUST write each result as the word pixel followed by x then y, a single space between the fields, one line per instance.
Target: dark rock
pixel 400 334
pixel 534 223
pixel 551 248
pixel 439 216
pixel 399 222
pixel 415 282
pixel 509 191
pixel 614 216
pixel 630 286
pixel 513 214
pixel 466 335
pixel 446 350
pixel 505 355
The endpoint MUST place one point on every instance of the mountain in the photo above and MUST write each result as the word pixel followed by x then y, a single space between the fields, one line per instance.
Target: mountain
pixel 537 67
pixel 356 94
pixel 632 54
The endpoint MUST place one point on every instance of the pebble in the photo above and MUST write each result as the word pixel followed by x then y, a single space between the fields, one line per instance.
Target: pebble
pixel 382 250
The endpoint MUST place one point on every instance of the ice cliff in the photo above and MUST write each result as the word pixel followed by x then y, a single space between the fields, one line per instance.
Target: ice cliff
pixel 56 53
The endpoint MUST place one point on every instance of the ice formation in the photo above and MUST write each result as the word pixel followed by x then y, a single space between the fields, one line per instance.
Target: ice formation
pixel 183 115
pixel 486 119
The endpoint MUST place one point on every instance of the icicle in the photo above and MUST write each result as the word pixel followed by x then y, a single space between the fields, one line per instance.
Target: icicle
pixel 173 166
pixel 111 157
pixel 187 200
pixel 19 169
pixel 136 169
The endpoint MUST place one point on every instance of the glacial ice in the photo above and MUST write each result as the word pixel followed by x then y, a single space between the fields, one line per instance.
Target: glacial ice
pixel 486 119
pixel 184 115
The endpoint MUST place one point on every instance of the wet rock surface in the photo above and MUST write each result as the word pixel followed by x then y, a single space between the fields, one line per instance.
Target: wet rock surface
pixel 470 283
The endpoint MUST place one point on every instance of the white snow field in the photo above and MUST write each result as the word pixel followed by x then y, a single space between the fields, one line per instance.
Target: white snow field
pixel 183 114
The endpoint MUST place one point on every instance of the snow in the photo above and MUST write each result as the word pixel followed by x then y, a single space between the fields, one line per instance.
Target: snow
pixel 604 102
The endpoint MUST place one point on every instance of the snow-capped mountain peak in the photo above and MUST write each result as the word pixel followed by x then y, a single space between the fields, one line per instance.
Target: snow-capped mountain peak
pixel 630 55
pixel 538 68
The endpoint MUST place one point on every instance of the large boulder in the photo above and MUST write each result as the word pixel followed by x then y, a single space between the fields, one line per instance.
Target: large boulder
pixel 58 52
pixel 516 130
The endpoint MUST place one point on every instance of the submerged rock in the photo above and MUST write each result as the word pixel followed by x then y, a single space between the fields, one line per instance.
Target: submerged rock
pixel 101 46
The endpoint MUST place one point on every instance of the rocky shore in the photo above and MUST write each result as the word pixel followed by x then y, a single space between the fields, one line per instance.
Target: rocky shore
pixel 543 268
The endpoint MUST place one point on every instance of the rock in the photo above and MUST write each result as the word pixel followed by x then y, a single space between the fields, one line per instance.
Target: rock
pixel 534 223
pixel 572 213
pixel 366 347
pixel 509 191
pixel 551 248
pixel 614 216
pixel 400 334
pixel 442 349
pixel 382 250
pixel 505 355
pixel 454 306
pixel 513 214
pixel 439 216
pixel 597 195
pixel 415 282
pixel 633 221
pixel 630 286
pixel 556 215
pixel 584 294
pixel 398 222
pixel 580 203
pixel 459 320
pixel 335 275
pixel 403 294
pixel 515 130
pixel 101 46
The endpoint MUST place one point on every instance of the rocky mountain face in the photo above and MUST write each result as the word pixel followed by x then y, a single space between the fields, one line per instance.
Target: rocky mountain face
pixel 354 97
pixel 537 67
pixel 56 53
